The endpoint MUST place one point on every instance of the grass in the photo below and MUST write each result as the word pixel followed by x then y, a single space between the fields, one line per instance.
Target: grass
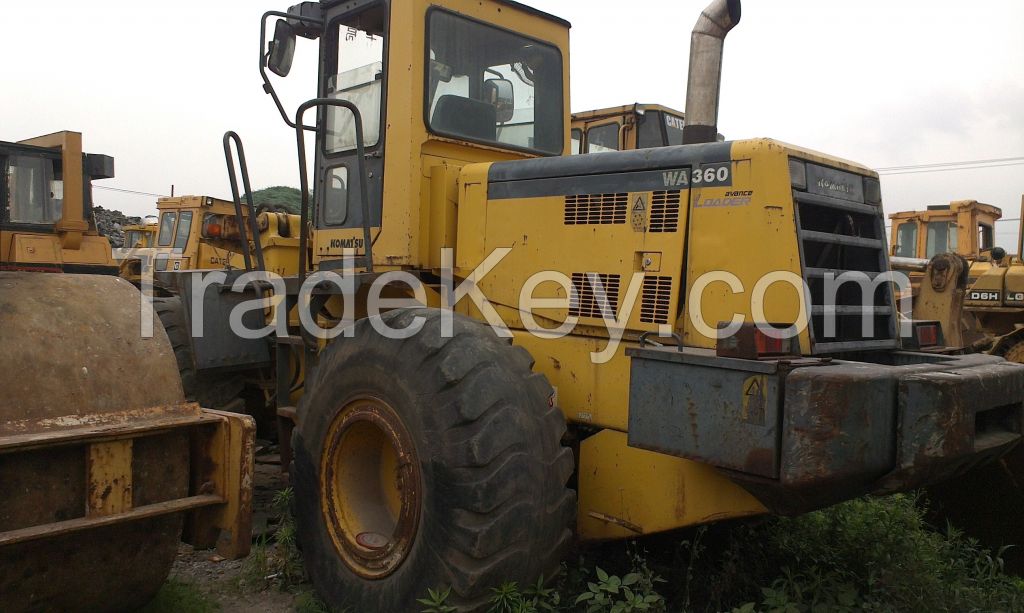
pixel 872 554
pixel 178 597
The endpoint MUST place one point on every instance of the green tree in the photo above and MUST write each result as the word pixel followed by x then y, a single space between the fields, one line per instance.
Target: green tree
pixel 288 199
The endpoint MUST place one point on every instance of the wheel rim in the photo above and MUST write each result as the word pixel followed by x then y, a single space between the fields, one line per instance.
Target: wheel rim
pixel 370 486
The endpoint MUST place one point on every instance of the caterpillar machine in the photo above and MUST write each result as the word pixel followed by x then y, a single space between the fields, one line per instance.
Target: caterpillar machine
pixel 132 262
pixel 634 395
pixel 970 285
pixel 101 480
pixel 201 232
pixel 622 128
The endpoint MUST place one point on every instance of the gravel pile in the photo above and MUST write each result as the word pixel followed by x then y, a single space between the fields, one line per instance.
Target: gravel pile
pixel 111 224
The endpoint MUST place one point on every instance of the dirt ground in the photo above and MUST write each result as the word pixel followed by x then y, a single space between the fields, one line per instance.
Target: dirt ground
pixel 229 582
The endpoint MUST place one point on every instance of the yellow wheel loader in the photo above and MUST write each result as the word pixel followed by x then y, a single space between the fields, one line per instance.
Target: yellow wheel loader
pixel 101 480
pixel 505 348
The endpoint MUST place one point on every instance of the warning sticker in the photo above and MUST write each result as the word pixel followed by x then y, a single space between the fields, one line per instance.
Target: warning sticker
pixel 639 213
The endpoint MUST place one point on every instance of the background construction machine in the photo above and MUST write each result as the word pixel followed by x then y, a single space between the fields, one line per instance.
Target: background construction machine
pixel 966 227
pixel 203 233
pixel 622 128
pixel 101 479
pixel 961 277
pixel 450 456
pixel 133 263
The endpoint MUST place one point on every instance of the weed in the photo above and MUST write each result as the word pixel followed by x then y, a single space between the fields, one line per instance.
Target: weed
pixel 276 563
pixel 307 602
pixel 175 596
pixel 436 601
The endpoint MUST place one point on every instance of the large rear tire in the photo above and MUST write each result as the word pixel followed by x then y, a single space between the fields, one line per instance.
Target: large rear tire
pixel 428 462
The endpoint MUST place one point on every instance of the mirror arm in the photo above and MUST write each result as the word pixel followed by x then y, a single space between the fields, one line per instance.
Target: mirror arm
pixel 268 87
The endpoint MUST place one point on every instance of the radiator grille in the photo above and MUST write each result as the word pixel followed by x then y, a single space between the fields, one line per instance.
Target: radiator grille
pixel 587 300
pixel 839 236
pixel 657 295
pixel 595 209
pixel 665 211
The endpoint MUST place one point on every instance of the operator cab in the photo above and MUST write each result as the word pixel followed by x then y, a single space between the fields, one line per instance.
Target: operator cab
pixel 490 79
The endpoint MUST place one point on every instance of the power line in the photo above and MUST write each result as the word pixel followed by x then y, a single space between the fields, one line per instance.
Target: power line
pixel 129 191
pixel 939 164
pixel 947 169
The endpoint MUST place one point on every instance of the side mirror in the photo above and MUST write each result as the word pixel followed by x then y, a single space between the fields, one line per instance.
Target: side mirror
pixel 282 49
pixel 500 94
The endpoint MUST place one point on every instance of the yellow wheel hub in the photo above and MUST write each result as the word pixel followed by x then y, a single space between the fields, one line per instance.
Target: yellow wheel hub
pixel 370 487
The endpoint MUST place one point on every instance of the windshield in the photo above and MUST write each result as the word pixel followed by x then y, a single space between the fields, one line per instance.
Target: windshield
pixel 358 77
pixel 941 238
pixel 35 189
pixel 906 240
pixel 166 229
pixel 490 85
pixel 184 227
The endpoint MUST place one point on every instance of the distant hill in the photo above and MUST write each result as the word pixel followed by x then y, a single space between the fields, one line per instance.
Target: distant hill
pixel 280 197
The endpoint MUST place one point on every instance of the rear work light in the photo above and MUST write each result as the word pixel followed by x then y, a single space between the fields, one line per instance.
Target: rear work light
pixel 752 343
pixel 924 335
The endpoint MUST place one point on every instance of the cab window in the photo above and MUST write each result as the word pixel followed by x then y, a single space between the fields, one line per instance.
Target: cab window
pixel 649 131
pixel 359 80
pixel 603 138
pixel 941 238
pixel 986 237
pixel 35 189
pixel 166 229
pixel 577 141
pixel 489 85
pixel 906 240
pixel 184 228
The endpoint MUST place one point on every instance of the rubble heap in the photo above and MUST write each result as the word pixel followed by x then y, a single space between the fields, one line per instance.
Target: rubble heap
pixel 111 223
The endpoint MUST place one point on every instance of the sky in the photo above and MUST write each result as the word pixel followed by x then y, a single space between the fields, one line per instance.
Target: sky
pixel 883 83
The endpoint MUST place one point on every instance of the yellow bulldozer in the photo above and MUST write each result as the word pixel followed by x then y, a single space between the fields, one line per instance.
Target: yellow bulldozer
pixel 133 262
pixel 101 480
pixel 962 278
pixel 201 233
pixel 499 348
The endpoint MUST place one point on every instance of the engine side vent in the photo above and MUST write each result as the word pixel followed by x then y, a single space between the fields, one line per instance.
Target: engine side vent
pixel 595 209
pixel 665 211
pixel 588 301
pixel 657 295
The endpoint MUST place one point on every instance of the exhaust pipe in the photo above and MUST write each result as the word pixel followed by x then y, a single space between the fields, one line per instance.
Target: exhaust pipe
pixel 705 77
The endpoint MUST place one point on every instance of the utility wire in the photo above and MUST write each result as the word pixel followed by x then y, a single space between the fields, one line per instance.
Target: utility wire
pixel 949 166
pixel 923 170
pixel 937 164
pixel 128 191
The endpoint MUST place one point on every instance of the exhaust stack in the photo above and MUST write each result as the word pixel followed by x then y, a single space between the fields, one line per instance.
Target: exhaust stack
pixel 705 76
